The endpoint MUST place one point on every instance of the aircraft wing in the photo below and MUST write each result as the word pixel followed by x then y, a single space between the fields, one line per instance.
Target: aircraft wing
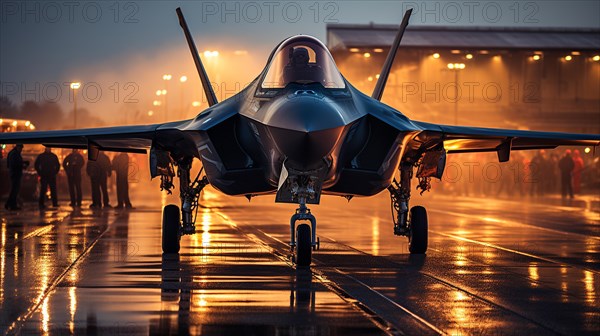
pixel 463 139
pixel 133 139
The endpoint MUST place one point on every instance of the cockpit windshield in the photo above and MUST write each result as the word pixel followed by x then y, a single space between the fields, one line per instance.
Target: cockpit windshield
pixel 302 60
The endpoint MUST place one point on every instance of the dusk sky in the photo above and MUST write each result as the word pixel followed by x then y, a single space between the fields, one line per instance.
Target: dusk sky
pixel 136 41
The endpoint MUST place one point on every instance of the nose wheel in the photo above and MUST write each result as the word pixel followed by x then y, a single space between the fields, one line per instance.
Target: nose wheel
pixel 303 237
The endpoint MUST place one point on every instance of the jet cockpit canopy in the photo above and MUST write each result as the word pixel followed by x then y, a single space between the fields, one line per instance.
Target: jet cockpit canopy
pixel 304 60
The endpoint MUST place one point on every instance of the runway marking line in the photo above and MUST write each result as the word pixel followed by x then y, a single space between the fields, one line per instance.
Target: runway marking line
pixel 16 326
pixel 506 249
pixel 459 214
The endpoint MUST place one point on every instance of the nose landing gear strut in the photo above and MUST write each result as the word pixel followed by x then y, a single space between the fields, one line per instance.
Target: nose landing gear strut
pixel 302 241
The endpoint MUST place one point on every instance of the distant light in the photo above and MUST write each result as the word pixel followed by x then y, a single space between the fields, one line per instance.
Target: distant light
pixel 456 66
pixel 575 53
pixel 354 50
pixel 240 52
pixel 209 53
pixel 436 55
pixel 75 85
pixel 484 52
pixel 1 120
pixel 31 127
pixel 455 51
pixel 183 79
pixel 27 123
pixel 167 77
pixel 164 92
pixel 568 58
pixel 378 50
pixel 497 58
pixel 195 104
pixel 587 150
pixel 14 123
pixel 367 55
pixel 156 103
pixel 377 76
pixel 536 57
pixel 158 92
pixel 469 56
pixel 370 79
pixel 150 113
pixel 596 58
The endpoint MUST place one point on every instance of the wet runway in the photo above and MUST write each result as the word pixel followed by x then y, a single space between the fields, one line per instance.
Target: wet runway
pixel 494 267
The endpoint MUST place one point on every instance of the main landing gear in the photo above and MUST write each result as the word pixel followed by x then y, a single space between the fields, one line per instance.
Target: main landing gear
pixel 411 224
pixel 175 223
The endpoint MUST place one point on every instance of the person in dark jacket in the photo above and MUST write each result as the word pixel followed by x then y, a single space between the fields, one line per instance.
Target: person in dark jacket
pixel 99 171
pixel 566 166
pixel 120 165
pixel 73 164
pixel 15 164
pixel 47 167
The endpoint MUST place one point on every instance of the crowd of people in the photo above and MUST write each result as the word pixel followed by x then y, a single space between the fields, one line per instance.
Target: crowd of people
pixel 528 173
pixel 47 166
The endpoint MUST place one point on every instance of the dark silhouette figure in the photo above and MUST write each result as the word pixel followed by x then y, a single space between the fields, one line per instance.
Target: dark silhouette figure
pixel 15 164
pixel 73 164
pixel 566 166
pixel 120 165
pixel 577 171
pixel 539 173
pixel 47 167
pixel 553 173
pixel 99 171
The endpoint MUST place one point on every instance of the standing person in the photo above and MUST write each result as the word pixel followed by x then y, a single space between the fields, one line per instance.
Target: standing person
pixel 15 164
pixel 566 166
pixel 47 167
pixel 538 173
pixel 99 171
pixel 73 164
pixel 577 170
pixel 553 173
pixel 120 165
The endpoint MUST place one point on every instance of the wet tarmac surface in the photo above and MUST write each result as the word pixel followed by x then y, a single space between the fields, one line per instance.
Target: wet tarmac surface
pixel 494 267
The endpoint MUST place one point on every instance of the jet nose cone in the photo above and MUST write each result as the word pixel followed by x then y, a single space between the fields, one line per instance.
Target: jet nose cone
pixel 305 112
pixel 306 150
pixel 305 128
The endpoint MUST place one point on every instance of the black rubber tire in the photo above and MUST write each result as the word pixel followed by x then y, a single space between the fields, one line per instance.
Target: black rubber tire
pixel 170 229
pixel 417 238
pixel 303 247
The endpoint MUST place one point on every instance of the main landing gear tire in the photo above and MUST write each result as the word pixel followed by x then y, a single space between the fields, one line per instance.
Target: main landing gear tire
pixel 170 229
pixel 303 247
pixel 417 239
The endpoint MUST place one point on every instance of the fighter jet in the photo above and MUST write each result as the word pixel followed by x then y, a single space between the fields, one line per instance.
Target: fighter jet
pixel 300 130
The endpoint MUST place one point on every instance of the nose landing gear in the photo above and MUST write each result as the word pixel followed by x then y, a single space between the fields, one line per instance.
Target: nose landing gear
pixel 304 237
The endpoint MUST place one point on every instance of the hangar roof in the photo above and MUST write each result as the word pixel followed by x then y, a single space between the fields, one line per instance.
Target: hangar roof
pixel 345 36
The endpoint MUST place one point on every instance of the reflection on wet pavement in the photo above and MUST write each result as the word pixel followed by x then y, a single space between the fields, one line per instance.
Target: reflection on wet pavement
pixel 493 267
pixel 221 283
